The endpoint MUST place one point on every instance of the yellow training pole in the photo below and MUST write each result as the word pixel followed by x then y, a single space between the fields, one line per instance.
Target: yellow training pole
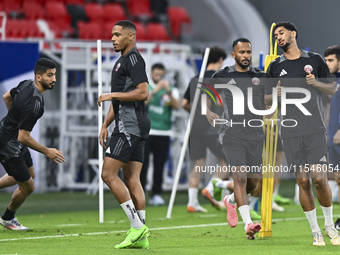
pixel 269 157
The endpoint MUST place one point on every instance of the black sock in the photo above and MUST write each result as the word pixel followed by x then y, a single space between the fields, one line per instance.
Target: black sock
pixel 8 215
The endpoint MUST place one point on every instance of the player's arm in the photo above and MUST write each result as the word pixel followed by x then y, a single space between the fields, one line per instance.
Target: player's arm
pixel 107 122
pixel 327 88
pixel 174 97
pixel 186 104
pixel 268 98
pixel 26 138
pixel 8 99
pixel 140 93
pixel 211 116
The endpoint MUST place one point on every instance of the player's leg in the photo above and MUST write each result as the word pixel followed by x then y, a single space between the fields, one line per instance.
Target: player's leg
pixel 144 172
pixel 120 151
pixel 210 192
pixel 16 168
pixel 254 197
pixel 9 181
pixel 334 156
pixel 198 150
pixel 161 150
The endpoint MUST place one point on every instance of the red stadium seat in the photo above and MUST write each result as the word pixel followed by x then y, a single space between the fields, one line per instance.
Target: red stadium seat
pixel 90 30
pixel 94 11
pixel 80 2
pixel 177 16
pixel 56 11
pixel 141 32
pixel 139 8
pixel 33 11
pixel 61 28
pixel 12 5
pixel 157 32
pixel 113 12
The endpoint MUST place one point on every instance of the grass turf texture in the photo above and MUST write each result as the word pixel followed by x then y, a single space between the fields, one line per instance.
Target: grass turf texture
pixel 56 229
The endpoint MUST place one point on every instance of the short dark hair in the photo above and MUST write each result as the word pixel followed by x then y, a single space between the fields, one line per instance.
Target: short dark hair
pixel 216 53
pixel 158 66
pixel 240 40
pixel 43 65
pixel 126 24
pixel 287 25
pixel 333 50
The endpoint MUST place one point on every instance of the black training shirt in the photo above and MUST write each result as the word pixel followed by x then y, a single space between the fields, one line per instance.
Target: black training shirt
pixel 130 117
pixel 292 74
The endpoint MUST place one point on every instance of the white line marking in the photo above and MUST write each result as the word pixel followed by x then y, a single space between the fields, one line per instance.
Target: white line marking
pixel 164 228
pixel 69 225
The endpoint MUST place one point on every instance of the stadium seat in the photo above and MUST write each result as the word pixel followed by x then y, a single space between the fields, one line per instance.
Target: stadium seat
pixel 33 11
pixel 90 30
pixel 79 2
pixel 177 16
pixel 157 32
pixel 113 12
pixel 141 32
pixel 56 11
pixel 11 6
pixel 61 28
pixel 139 8
pixel 94 12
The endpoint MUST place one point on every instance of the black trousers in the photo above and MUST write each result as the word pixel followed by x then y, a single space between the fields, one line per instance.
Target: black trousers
pixel 159 146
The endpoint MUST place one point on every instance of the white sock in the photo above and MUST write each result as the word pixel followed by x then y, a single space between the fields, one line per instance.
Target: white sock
pixel 244 211
pixel 210 186
pixel 252 201
pixel 328 214
pixel 231 199
pixel 223 184
pixel 311 217
pixel 131 213
pixel 333 185
pixel 141 214
pixel 297 190
pixel 276 190
pixel 192 193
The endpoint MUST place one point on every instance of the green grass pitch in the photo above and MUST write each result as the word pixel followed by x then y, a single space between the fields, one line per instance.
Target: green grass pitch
pixel 68 223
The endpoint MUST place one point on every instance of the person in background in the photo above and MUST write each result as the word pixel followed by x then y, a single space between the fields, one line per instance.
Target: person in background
pixel 162 99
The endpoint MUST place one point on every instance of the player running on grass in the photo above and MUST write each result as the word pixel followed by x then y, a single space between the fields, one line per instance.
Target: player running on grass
pixel 305 145
pixel 332 57
pixel 25 104
pixel 129 87
pixel 242 145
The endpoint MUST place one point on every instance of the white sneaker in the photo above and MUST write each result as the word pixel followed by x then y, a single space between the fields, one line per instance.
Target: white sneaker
pixel 318 239
pixel 197 208
pixel 277 208
pixel 156 200
pixel 12 224
pixel 333 235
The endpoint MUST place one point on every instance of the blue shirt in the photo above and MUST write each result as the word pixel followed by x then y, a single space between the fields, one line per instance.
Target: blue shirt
pixel 334 117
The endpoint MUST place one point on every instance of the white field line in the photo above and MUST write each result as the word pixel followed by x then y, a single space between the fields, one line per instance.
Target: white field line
pixel 152 229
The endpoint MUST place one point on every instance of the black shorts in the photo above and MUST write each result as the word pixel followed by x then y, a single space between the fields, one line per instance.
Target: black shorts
pixel 309 149
pixel 126 148
pixel 198 145
pixel 17 167
pixel 334 156
pixel 240 152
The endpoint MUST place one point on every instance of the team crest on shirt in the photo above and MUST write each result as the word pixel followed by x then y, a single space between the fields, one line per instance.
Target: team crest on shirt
pixel 117 67
pixel 337 86
pixel 255 81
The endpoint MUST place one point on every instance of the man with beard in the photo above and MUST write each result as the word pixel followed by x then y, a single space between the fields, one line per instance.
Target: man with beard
pixel 129 87
pixel 242 144
pixel 25 105
pixel 332 57
pixel 304 144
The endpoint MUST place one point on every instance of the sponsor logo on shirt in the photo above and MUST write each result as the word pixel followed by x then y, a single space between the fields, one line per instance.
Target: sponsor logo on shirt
pixel 283 72
pixel 117 67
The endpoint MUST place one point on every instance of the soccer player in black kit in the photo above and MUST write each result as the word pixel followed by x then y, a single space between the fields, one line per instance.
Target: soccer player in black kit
pixel 305 144
pixel 242 144
pixel 25 104
pixel 129 87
